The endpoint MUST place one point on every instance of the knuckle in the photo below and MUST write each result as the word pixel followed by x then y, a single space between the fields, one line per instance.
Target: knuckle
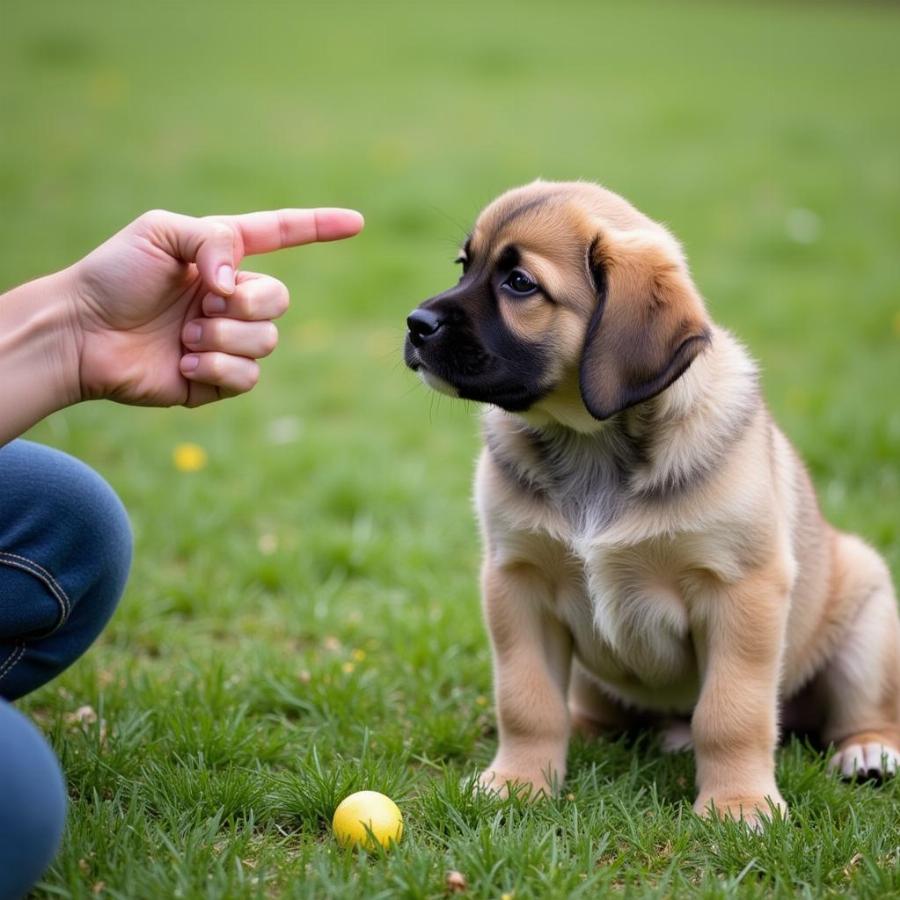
pixel 255 306
pixel 212 331
pixel 153 217
pixel 216 366
pixel 270 338
pixel 244 300
pixel 249 377
pixel 281 296
pixel 220 231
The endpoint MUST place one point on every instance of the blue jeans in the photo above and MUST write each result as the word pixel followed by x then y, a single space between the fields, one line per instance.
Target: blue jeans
pixel 65 551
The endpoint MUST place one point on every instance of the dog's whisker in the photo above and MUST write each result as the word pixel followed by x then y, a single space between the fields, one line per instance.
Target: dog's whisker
pixel 463 231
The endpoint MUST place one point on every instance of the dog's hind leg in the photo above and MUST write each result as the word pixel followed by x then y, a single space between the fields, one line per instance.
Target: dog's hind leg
pixel 593 712
pixel 861 680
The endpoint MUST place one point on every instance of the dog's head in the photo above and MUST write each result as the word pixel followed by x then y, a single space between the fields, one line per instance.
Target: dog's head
pixel 565 287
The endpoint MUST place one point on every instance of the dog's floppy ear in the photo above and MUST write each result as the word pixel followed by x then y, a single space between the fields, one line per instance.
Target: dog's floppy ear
pixel 649 325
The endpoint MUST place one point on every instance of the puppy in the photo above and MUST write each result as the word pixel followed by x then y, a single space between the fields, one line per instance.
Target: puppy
pixel 652 543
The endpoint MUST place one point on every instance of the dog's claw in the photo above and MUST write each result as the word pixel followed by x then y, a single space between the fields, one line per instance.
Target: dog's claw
pixel 872 760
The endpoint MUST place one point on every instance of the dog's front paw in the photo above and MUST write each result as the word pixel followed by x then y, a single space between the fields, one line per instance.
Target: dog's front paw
pixel 502 784
pixel 753 811
pixel 865 759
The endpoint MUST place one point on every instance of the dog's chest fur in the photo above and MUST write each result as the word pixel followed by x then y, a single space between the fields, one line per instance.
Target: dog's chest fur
pixel 627 613
pixel 571 505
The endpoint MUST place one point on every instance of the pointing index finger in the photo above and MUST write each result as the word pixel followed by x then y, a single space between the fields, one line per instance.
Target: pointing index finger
pixel 263 232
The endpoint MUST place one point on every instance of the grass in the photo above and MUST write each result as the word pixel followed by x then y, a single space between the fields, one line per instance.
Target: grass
pixel 302 618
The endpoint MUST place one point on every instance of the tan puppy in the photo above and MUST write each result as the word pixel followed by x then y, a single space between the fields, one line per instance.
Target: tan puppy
pixel 652 541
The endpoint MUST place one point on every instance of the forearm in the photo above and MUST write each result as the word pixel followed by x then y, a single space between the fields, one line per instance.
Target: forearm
pixel 38 355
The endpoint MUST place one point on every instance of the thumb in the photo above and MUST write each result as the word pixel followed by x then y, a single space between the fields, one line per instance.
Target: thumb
pixel 212 244
pixel 215 254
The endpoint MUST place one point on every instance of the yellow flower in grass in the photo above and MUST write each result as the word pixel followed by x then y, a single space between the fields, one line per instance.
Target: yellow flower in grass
pixel 189 457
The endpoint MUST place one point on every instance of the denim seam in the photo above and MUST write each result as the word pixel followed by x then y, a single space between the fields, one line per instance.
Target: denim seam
pixel 12 660
pixel 28 565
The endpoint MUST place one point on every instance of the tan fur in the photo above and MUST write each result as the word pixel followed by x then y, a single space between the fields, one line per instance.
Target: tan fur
pixel 697 577
pixel 652 315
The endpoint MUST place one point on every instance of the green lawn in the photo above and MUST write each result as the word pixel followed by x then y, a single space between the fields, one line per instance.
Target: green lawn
pixel 303 617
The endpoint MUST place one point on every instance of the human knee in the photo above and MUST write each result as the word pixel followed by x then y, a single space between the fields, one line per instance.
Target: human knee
pixel 102 544
pixel 67 519
pixel 33 811
pixel 91 553
pixel 67 548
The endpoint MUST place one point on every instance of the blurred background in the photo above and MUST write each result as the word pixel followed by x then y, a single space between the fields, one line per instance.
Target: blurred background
pixel 765 135
pixel 333 502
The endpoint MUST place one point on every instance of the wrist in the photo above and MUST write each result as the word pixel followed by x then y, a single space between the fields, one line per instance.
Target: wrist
pixel 39 351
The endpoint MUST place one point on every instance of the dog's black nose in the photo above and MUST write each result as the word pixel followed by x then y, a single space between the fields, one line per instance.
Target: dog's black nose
pixel 422 324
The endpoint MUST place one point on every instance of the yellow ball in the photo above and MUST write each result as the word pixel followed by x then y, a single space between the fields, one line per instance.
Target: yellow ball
pixel 367 809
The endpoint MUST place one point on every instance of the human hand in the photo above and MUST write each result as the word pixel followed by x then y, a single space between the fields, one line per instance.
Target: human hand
pixel 161 316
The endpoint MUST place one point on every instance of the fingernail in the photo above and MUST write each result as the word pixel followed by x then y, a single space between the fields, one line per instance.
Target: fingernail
pixel 225 278
pixel 214 304
pixel 190 362
pixel 193 333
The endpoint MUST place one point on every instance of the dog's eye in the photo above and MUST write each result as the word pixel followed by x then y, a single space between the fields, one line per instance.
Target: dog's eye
pixel 463 261
pixel 519 283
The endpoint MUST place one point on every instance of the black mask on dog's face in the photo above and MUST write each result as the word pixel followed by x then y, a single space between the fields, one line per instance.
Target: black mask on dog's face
pixel 460 344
